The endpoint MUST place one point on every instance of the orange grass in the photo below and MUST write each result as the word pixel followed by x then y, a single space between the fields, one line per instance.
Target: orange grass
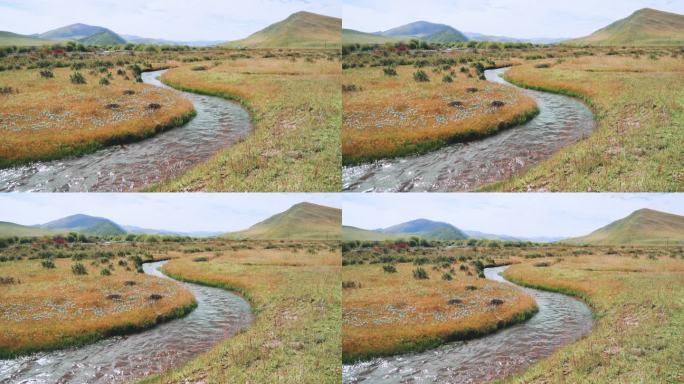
pixel 636 295
pixel 293 288
pixel 53 118
pixel 390 116
pixel 392 313
pixel 53 308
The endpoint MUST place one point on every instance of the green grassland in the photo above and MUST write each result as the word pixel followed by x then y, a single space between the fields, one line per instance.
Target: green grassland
pixel 17 230
pixel 637 146
pixel 637 296
pixel 13 39
pixel 350 36
pixel 295 102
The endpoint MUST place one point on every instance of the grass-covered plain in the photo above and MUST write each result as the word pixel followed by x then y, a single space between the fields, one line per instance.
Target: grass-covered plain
pixel 54 295
pixel 295 102
pixel 49 112
pixel 294 290
pixel 396 110
pixel 637 296
pixel 638 101
pixel 398 297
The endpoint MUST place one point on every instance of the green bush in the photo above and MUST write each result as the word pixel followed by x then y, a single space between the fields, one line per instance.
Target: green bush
pixel 79 269
pixel 420 274
pixel 389 268
pixel 77 78
pixel 420 76
pixel 48 264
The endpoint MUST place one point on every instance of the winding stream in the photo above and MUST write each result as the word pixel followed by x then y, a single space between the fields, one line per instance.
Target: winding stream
pixel 560 321
pixel 219 315
pixel 219 124
pixel 562 121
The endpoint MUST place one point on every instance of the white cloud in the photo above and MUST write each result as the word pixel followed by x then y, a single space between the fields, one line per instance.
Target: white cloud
pixel 168 19
pixel 514 18
pixel 187 212
pixel 515 214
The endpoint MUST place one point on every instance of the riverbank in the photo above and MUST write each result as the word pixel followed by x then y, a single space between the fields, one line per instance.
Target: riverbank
pixel 295 103
pixel 388 113
pixel 48 308
pixel 637 145
pixel 67 119
pixel 294 292
pixel 634 295
pixel 394 313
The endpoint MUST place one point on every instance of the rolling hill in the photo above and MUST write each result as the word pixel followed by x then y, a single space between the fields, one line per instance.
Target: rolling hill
pixel 427 229
pixel 350 36
pixel 15 39
pixel 89 225
pixel 645 27
pixel 73 32
pixel 103 38
pixel 431 32
pixel 18 230
pixel 303 221
pixel 299 30
pixel 350 233
pixel 642 227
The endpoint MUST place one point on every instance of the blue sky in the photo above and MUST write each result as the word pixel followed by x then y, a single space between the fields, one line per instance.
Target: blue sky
pixel 188 212
pixel 513 18
pixel 515 214
pixel 168 19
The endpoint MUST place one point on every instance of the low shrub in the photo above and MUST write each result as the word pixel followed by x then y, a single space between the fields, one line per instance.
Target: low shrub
pixel 79 269
pixel 77 78
pixel 420 76
pixel 48 264
pixel 389 268
pixel 420 274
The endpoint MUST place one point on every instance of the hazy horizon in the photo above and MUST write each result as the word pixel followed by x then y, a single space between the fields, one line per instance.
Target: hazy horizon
pixel 524 215
pixel 510 18
pixel 178 20
pixel 180 212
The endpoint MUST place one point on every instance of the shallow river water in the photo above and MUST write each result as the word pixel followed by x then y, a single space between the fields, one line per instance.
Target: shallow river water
pixel 561 121
pixel 560 321
pixel 219 315
pixel 219 124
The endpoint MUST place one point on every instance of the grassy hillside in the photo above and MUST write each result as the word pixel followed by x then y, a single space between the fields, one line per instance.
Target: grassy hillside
pixel 304 221
pixel 73 32
pixel 350 233
pixel 95 226
pixel 427 229
pixel 643 227
pixel 103 38
pixel 645 27
pixel 438 33
pixel 14 39
pixel 350 36
pixel 12 230
pixel 300 30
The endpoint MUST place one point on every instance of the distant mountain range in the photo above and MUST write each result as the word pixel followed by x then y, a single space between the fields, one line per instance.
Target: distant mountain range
pixel 643 227
pixel 645 27
pixel 304 221
pixel 299 30
pixel 430 32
